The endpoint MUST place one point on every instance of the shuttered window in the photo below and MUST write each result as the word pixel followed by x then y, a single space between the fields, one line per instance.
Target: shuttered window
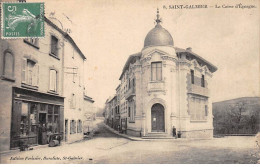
pixel 79 126
pixel 53 80
pixel 30 72
pixel 72 126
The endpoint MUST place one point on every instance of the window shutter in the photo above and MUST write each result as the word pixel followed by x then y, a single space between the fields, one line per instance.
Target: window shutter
pixel 35 75
pixel 51 80
pixel 24 73
pixel 55 80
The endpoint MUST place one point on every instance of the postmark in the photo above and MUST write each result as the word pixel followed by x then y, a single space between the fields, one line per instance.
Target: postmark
pixel 22 20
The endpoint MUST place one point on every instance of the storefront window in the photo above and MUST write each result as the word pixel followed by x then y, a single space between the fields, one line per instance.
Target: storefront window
pixel 56 109
pixel 53 119
pixel 43 107
pixel 32 122
pixel 50 119
pixel 24 120
pixel 33 119
pixel 56 119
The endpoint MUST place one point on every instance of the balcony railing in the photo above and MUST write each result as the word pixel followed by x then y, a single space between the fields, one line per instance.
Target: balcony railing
pixel 198 90
pixel 130 93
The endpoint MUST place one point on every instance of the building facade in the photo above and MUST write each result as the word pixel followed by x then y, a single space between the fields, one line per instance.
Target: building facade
pixel 73 91
pixel 32 102
pixel 89 114
pixel 165 90
pixel 32 86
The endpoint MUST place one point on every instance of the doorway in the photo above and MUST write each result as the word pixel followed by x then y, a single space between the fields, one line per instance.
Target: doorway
pixel 42 133
pixel 66 130
pixel 157 118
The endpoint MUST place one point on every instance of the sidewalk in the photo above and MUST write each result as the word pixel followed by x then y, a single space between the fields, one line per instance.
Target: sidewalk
pixel 123 135
pixel 152 138
pixel 36 147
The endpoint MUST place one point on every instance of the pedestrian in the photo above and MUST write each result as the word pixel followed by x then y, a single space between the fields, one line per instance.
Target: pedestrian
pixel 174 132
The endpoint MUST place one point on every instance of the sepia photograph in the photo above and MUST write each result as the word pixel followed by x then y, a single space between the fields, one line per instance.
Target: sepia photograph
pixel 130 82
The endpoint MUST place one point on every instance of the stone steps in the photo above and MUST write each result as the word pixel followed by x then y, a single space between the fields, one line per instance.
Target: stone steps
pixel 157 136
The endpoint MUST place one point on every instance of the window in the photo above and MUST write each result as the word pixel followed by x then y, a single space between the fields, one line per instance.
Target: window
pixel 79 126
pixel 30 72
pixel 32 41
pixel 192 76
pixel 129 84
pixel 156 71
pixel 202 81
pixel 72 127
pixel 206 110
pixel 198 109
pixel 53 119
pixel 129 112
pixel 53 80
pixel 8 70
pixel 54 45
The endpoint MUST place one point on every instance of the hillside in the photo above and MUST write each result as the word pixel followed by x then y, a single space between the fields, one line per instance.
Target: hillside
pixel 237 116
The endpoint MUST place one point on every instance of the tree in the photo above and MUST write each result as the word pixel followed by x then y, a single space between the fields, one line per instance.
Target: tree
pixel 236 114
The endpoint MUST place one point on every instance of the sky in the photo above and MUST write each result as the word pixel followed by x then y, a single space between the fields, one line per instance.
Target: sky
pixel 108 31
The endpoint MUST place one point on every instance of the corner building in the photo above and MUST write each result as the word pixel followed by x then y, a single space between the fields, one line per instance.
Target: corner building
pixel 165 88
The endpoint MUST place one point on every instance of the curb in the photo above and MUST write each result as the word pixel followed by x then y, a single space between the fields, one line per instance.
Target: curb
pixel 151 139
pixel 122 135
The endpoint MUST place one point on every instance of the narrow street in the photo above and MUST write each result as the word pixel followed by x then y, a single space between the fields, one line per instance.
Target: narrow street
pixel 106 147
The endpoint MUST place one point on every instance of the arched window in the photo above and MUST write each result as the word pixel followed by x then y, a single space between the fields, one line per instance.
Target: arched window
pixel 8 65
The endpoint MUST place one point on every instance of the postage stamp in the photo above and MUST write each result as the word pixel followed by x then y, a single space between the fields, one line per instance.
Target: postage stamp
pixel 22 20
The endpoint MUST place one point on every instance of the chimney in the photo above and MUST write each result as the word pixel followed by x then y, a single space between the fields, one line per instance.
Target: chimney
pixel 189 49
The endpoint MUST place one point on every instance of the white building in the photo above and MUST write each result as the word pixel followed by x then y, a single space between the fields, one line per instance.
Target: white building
pixel 165 88
pixel 73 92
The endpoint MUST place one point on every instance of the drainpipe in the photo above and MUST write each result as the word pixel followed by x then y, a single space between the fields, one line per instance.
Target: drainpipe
pixel 179 94
pixel 143 120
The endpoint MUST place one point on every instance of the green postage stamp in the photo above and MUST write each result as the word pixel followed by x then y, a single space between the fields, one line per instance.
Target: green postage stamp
pixel 22 20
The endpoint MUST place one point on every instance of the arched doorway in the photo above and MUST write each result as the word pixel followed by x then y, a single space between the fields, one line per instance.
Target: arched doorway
pixel 157 118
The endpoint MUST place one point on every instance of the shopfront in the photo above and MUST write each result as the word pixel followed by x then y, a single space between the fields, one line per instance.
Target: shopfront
pixel 35 116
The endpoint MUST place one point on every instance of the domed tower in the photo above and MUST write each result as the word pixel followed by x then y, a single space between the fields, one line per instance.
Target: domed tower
pixel 165 90
pixel 158 75
pixel 158 36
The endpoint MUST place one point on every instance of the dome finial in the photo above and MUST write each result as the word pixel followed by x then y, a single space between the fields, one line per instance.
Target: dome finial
pixel 158 19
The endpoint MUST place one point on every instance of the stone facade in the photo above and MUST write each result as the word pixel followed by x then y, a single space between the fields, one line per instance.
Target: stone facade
pixel 164 90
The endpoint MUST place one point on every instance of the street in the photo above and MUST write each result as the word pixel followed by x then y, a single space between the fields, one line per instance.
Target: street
pixel 106 147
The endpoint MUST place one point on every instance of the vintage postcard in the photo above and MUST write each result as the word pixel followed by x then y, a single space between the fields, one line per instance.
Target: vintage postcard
pixel 129 82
